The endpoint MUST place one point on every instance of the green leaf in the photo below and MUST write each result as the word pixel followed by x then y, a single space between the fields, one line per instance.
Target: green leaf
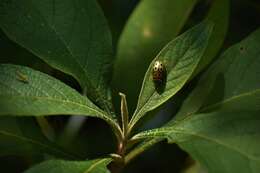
pixel 222 141
pixel 152 25
pixel 180 57
pixel 70 35
pixel 231 84
pixel 61 166
pixel 24 92
pixel 22 136
pixel 229 96
pixel 219 15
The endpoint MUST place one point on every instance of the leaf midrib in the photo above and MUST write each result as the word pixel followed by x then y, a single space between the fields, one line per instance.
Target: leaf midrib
pixel 49 98
pixel 70 53
pixel 59 37
pixel 210 107
pixel 170 130
pixel 140 111
pixel 94 165
pixel 101 115
pixel 217 142
pixel 57 100
pixel 230 99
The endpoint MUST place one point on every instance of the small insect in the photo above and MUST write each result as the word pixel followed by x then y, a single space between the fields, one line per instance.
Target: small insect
pixel 159 76
pixel 159 72
pixel 21 77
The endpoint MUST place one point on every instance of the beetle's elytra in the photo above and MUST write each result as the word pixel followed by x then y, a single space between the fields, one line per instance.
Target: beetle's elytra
pixel 158 72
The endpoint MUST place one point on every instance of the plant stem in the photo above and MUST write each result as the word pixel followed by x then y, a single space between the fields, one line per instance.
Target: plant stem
pixel 140 149
pixel 120 158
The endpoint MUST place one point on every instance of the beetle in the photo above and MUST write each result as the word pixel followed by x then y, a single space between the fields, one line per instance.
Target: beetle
pixel 159 72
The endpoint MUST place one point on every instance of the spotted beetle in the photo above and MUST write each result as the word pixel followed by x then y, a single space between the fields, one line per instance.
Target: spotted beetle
pixel 158 72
